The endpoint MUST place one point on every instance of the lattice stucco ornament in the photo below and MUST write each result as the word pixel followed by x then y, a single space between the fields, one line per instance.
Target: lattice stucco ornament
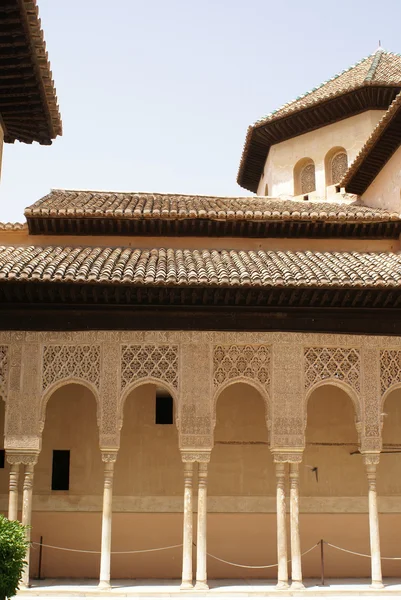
pixel 332 363
pixel 390 369
pixel 233 361
pixel 149 361
pixel 4 364
pixel 71 362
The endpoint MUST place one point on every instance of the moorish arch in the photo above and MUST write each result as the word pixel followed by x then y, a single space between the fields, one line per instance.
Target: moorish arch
pixel 69 467
pixel 148 471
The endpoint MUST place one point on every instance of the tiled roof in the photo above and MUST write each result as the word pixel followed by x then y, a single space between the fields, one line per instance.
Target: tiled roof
pixel 204 268
pixel 28 103
pixel 379 71
pixel 140 205
pixel 378 149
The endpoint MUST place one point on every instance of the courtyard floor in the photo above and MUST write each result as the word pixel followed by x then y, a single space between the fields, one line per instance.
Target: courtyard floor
pixel 229 588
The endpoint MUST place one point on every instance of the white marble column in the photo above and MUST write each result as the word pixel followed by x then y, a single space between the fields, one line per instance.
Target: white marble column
pixel 371 462
pixel 296 566
pixel 27 511
pixel 187 540
pixel 282 557
pixel 201 541
pixel 13 489
pixel 109 458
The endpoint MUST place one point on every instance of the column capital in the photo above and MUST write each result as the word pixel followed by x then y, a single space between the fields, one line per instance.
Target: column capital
pixel 109 456
pixel 200 456
pixel 15 457
pixel 287 456
pixel 371 458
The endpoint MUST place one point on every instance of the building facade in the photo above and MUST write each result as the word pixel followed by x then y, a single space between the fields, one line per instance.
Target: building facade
pixel 194 384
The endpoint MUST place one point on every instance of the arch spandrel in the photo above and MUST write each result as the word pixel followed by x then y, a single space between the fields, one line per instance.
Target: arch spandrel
pixel 147 381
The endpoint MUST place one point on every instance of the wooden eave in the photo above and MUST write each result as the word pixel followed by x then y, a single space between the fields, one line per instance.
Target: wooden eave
pixel 377 156
pixel 261 137
pixel 252 228
pixel 28 103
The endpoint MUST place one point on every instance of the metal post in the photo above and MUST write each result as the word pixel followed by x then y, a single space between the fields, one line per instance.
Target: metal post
pixel 40 558
pixel 321 562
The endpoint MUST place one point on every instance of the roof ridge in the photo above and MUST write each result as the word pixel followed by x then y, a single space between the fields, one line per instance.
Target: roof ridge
pixel 375 63
pixel 317 87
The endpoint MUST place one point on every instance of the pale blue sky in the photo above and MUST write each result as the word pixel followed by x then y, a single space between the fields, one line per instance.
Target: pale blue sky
pixel 156 95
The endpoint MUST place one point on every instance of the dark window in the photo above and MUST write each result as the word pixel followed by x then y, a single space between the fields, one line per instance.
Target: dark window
pixel 164 409
pixel 2 458
pixel 61 470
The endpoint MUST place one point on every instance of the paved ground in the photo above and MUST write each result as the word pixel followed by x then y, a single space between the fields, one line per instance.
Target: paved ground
pixel 235 588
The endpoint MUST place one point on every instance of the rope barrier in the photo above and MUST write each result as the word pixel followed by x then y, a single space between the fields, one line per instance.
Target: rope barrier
pixel 98 551
pixel 358 553
pixel 227 562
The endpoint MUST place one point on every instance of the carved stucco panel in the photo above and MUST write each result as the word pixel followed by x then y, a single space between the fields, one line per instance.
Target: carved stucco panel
pixel 342 364
pixel 109 434
pixel 69 362
pixel 287 395
pixel 390 369
pixel 370 377
pixel 195 421
pixel 13 400
pixel 29 436
pixel 142 361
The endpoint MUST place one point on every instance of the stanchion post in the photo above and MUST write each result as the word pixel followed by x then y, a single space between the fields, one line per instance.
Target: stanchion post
pixel 40 558
pixel 321 562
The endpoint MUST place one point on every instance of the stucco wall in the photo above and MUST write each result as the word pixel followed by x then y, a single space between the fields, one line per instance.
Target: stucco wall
pixel 385 190
pixel 350 134
pixel 1 148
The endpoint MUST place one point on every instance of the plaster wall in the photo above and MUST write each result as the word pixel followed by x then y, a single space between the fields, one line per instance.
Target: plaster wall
pixel 385 189
pixel 22 238
pixel 351 134
pixel 1 147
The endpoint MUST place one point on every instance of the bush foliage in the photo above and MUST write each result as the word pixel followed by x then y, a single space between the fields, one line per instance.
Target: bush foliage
pixel 13 547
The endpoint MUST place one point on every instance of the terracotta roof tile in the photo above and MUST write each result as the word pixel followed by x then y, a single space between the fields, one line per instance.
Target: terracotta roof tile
pixel 139 205
pixel 360 173
pixel 204 268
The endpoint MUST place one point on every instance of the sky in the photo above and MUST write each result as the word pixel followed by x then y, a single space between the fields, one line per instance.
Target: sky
pixel 157 95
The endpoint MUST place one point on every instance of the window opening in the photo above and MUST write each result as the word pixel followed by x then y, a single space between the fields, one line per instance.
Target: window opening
pixel 61 470
pixel 164 409
pixel 339 165
pixel 308 179
pixel 2 459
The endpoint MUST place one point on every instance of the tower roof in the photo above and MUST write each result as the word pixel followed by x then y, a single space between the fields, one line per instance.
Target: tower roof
pixel 372 83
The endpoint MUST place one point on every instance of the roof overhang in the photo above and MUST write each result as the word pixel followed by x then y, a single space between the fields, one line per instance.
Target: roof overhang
pixel 261 137
pixel 28 102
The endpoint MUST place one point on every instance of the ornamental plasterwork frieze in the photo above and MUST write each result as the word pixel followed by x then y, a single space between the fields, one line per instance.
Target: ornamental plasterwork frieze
pixel 149 361
pixel 71 362
pixel 241 361
pixel 342 364
pixel 390 369
pixel 4 369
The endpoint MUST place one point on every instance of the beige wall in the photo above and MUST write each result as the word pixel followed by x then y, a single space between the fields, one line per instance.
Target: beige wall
pixel 349 133
pixel 1 148
pixel 21 238
pixel 385 190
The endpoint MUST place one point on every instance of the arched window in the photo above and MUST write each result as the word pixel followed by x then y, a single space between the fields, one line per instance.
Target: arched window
pixel 339 165
pixel 308 179
pixel 304 177
pixel 336 164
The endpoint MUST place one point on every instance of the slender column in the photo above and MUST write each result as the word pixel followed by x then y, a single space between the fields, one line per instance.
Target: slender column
pixel 187 575
pixel 282 558
pixel 13 492
pixel 201 558
pixel 371 462
pixel 109 458
pixel 296 567
pixel 27 513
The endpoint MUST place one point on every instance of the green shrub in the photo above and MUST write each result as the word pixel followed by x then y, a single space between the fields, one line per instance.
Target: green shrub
pixel 13 547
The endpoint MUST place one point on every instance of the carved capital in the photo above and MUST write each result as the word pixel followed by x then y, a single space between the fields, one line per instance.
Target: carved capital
pixel 195 456
pixel 287 456
pixel 15 457
pixel 109 456
pixel 373 458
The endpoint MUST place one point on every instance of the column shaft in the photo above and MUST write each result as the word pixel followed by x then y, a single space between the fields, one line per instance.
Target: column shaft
pixel 201 558
pixel 187 575
pixel 105 557
pixel 27 516
pixel 376 568
pixel 282 557
pixel 13 492
pixel 296 566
